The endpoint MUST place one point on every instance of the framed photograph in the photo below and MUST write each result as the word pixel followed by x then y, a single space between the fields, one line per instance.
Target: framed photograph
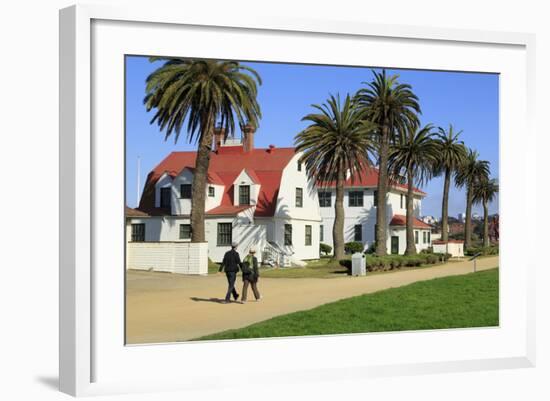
pixel 327 199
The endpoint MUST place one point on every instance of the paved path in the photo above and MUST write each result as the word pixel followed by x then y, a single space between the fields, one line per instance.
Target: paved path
pixel 164 307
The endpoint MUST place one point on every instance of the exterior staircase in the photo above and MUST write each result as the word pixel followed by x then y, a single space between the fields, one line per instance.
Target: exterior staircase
pixel 274 255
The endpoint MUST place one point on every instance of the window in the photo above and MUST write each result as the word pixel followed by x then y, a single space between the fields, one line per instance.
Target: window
pixel 401 201
pixel 138 232
pixel 299 197
pixel 165 195
pixel 358 233
pixel 299 166
pixel 211 192
pixel 288 234
pixel 429 237
pixel 416 237
pixel 375 232
pixel 321 233
pixel 308 235
pixel 325 199
pixel 185 231
pixel 244 195
pixel 185 191
pixel 375 196
pixel 225 231
pixel 424 237
pixel 355 199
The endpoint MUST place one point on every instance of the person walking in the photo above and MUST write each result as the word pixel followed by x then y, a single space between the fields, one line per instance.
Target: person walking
pixel 250 274
pixel 230 264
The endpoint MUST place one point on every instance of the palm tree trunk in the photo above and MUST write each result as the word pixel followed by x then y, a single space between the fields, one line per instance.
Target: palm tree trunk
pixel 468 223
pixel 199 180
pixel 411 247
pixel 381 228
pixel 485 224
pixel 445 207
pixel 338 227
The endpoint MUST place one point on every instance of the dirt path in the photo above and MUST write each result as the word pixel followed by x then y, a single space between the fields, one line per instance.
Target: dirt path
pixel 164 307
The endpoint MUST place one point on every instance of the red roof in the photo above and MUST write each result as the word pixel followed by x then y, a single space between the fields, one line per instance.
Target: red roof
pixel 400 220
pixel 227 210
pixel 369 178
pixel 263 165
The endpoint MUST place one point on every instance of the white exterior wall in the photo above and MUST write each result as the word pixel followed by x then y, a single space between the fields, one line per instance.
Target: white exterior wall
pixel 401 233
pixel 365 216
pixel 173 257
pixel 454 248
pixel 181 206
pixel 287 213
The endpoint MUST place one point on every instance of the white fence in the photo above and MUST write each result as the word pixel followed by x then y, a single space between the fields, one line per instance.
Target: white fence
pixel 173 257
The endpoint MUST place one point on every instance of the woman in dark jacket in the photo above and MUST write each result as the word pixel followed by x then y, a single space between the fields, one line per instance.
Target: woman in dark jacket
pixel 250 274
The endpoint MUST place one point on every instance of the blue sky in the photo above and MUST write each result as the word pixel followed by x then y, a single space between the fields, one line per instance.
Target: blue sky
pixel 467 100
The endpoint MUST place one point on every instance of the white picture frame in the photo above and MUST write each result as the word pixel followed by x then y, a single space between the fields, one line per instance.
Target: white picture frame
pixel 88 338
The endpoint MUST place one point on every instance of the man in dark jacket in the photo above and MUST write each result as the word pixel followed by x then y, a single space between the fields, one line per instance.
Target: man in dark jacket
pixel 231 262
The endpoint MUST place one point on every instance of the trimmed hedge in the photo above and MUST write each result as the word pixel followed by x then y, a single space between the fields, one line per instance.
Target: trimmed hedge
pixel 324 248
pixel 391 262
pixel 489 250
pixel 352 247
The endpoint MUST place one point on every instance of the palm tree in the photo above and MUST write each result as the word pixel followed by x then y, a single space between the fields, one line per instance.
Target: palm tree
pixel 414 153
pixel 485 191
pixel 337 141
pixel 393 107
pixel 201 93
pixel 451 153
pixel 470 172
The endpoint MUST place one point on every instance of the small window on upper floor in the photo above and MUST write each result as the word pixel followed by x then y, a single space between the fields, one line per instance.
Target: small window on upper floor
pixel 185 191
pixel 299 197
pixel 325 199
pixel 211 192
pixel 355 199
pixel 165 197
pixel 299 166
pixel 375 196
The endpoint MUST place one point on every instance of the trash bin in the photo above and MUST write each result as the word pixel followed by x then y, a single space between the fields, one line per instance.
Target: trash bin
pixel 358 264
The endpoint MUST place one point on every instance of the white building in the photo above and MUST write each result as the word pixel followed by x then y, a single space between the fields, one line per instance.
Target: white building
pixel 429 220
pixel 256 197
pixel 263 198
pixel 360 213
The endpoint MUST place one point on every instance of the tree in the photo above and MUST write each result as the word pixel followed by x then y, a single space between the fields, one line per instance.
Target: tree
pixel 392 107
pixel 485 191
pixel 414 153
pixel 201 94
pixel 451 153
pixel 337 141
pixel 470 172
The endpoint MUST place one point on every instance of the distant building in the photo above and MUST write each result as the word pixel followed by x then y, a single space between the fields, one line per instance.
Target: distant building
pixel 476 216
pixel 429 220
pixel 461 217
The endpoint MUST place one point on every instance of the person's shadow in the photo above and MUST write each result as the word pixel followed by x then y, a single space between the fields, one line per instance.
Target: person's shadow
pixel 215 300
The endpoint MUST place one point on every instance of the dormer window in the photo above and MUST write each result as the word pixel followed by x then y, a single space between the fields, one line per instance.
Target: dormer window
pixel 299 166
pixel 165 197
pixel 299 197
pixel 244 194
pixel 185 191
pixel 211 192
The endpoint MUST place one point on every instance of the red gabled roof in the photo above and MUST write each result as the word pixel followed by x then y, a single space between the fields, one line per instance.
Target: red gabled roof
pixel 264 165
pixel 400 220
pixel 369 178
pixel 227 210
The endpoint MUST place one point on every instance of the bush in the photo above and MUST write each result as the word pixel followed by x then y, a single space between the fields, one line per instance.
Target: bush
pixel 324 248
pixel 490 250
pixel 371 248
pixel 345 263
pixel 352 247
pixel 429 249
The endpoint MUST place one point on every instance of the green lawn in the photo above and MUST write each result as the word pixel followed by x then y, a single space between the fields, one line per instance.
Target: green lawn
pixel 321 268
pixel 469 300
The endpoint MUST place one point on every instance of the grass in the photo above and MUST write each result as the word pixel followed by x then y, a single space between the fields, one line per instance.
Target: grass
pixel 213 267
pixel 320 268
pixel 470 300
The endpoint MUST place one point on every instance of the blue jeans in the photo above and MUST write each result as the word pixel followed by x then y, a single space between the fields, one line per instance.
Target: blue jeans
pixel 231 278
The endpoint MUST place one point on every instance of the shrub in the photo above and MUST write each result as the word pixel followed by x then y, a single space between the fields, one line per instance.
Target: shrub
pixel 429 249
pixel 371 248
pixel 352 247
pixel 490 250
pixel 324 248
pixel 345 263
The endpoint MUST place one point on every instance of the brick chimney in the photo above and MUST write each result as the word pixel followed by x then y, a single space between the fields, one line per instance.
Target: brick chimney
pixel 219 137
pixel 248 137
